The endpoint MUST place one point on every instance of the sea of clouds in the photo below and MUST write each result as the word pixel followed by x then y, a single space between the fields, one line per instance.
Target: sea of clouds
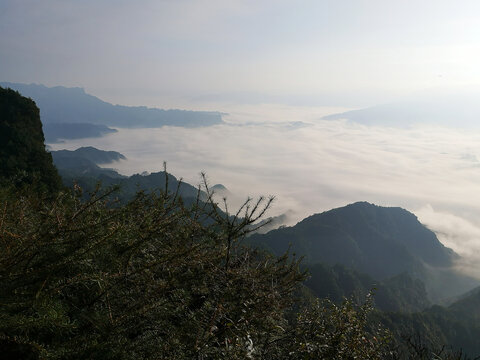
pixel 312 165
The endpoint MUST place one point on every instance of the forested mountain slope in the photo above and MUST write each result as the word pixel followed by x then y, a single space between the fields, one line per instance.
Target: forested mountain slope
pixel 24 160
pixel 381 242
pixel 401 293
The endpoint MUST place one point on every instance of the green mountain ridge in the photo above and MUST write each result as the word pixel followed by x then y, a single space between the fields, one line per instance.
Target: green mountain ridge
pixel 378 241
pixel 81 167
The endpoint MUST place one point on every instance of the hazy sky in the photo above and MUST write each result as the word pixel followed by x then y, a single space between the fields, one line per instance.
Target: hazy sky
pixel 165 53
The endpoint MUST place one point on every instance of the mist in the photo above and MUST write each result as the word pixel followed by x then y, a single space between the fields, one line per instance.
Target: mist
pixel 311 165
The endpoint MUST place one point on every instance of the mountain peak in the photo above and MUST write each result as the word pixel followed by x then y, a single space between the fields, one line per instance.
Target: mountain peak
pixel 380 241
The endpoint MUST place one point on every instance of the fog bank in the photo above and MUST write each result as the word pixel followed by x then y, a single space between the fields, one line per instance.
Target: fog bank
pixel 312 165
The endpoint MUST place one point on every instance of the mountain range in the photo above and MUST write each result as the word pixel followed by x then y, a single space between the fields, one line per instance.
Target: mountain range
pixel 451 108
pixel 71 113
pixel 347 250
pixel 81 167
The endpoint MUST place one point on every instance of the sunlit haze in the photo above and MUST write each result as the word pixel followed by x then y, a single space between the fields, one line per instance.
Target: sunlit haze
pixel 176 53
pixel 275 69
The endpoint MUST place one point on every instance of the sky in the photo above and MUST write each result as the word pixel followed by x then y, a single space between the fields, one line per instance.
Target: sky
pixel 164 53
pixel 275 67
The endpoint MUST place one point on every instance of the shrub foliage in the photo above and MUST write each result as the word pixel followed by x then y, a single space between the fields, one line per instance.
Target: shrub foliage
pixel 155 279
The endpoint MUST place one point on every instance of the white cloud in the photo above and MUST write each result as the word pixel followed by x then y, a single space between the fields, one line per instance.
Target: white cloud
pixel 459 234
pixel 316 166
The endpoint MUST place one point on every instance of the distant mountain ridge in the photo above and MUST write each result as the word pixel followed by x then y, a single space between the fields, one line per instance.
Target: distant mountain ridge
pixel 89 152
pixel 61 105
pixel 435 107
pixel 56 132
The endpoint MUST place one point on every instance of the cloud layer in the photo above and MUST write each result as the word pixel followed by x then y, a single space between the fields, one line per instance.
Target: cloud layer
pixel 312 165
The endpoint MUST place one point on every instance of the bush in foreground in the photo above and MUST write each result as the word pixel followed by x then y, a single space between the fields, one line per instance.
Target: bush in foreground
pixel 150 280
